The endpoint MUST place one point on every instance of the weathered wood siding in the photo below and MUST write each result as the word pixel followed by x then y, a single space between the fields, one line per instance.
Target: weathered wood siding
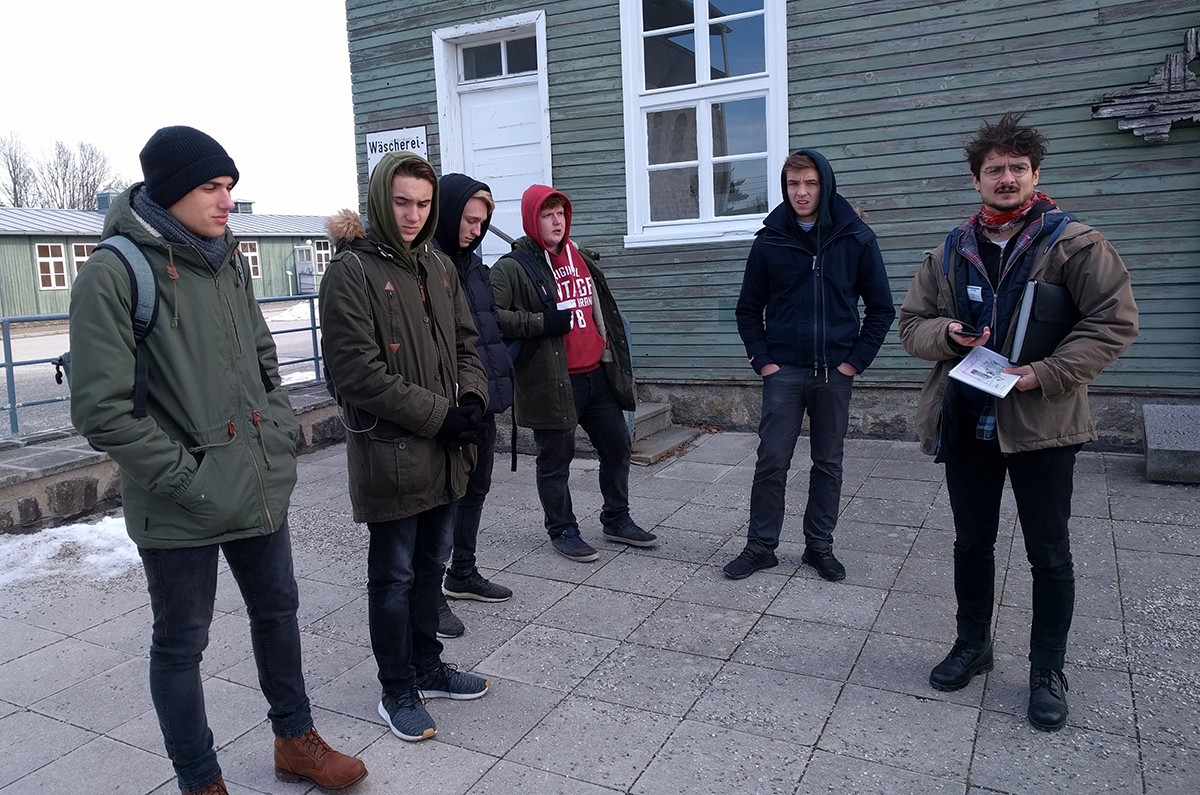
pixel 20 293
pixel 889 90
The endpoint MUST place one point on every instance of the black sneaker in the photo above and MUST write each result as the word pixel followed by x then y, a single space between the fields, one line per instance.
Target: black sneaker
pixel 632 535
pixel 570 545
pixel 749 562
pixel 449 682
pixel 964 661
pixel 1047 699
pixel 448 624
pixel 406 716
pixel 825 563
pixel 475 586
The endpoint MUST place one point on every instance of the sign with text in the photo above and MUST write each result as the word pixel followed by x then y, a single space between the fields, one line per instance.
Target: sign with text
pixel 410 139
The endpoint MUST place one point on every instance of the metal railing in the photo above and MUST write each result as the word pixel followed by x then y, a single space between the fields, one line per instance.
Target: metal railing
pixel 10 366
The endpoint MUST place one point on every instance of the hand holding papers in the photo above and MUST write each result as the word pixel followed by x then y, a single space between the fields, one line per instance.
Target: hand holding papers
pixel 984 369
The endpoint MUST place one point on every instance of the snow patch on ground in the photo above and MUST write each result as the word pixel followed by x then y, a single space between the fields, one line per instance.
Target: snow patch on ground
pixel 301 377
pixel 98 551
pixel 296 312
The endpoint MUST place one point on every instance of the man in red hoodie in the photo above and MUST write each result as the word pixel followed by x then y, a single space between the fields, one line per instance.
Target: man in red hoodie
pixel 573 368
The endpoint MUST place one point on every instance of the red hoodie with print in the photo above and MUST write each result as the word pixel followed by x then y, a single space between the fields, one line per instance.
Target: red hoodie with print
pixel 576 292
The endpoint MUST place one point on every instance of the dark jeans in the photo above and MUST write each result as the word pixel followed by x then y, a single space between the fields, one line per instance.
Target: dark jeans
pixel 1042 483
pixel 404 583
pixel 602 418
pixel 183 587
pixel 469 508
pixel 787 395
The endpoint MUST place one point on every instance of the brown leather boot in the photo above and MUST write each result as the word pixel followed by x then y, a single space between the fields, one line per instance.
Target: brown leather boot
pixel 309 758
pixel 215 788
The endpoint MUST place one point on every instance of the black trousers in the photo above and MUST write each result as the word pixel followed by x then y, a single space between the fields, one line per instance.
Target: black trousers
pixel 1042 482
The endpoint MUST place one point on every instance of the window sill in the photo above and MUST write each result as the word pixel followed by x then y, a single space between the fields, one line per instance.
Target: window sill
pixel 693 234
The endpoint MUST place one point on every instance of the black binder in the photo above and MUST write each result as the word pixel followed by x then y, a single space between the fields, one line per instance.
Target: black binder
pixel 1047 316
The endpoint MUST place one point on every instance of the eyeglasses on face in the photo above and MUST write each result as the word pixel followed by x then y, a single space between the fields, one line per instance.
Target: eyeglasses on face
pixel 1018 170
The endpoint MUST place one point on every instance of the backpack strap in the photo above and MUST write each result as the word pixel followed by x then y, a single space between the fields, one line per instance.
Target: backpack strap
pixel 547 292
pixel 144 288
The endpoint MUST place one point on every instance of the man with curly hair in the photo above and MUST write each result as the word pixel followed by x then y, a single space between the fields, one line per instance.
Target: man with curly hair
pixel 977 279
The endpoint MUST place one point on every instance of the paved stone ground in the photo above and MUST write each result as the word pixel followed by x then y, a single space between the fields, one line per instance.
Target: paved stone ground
pixel 648 671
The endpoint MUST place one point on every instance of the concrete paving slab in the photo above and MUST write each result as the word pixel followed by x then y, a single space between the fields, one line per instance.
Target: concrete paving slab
pixel 18 639
pixel 548 657
pixel 829 603
pixel 706 759
pixel 348 623
pixel 1170 768
pixel 1012 757
pixel 709 519
pixel 775 704
pixel 870 537
pixel 599 611
pixel 35 741
pixel 829 773
pixel 545 563
pixel 642 574
pixel 902 665
pixel 105 765
pixel 803 647
pixel 1168 708
pixel 598 742
pixel 657 680
pixel 686 546
pixel 1100 699
pixel 495 723
pixel 695 629
pixel 104 701
pixel 708 585
pixel 902 730
pixel 54 668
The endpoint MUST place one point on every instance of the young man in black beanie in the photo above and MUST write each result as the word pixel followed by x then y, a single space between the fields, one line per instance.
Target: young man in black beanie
pixel 207 457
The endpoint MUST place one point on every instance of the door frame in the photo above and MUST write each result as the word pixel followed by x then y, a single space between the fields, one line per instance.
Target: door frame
pixel 446 42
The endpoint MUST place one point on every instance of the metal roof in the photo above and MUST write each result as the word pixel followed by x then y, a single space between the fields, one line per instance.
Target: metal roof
pixel 88 223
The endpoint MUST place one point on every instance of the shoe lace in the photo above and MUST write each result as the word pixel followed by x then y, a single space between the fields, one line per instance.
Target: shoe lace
pixel 410 697
pixel 1049 679
pixel 314 743
pixel 963 649
pixel 215 788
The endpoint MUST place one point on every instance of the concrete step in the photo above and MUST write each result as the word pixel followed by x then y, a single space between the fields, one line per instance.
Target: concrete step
pixel 1172 434
pixel 650 419
pixel 658 446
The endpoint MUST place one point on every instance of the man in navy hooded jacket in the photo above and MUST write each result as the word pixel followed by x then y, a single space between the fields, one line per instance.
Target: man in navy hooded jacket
pixel 809 266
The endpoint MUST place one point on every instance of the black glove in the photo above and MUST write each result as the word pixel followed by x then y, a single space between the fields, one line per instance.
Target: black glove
pixel 556 322
pixel 460 421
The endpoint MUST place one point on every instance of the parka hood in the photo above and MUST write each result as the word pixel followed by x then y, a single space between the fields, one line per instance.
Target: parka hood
pixel 455 190
pixel 379 207
pixel 531 202
pixel 345 227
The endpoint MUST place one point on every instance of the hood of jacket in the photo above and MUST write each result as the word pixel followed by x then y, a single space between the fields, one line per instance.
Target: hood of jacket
pixel 531 202
pixel 835 214
pixel 379 208
pixel 454 191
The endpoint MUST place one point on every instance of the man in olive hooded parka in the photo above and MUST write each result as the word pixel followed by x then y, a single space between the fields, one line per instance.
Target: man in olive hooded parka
pixel 400 347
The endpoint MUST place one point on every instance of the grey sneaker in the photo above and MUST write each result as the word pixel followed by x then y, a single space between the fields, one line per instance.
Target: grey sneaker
pixel 449 625
pixel 632 535
pixel 406 716
pixel 570 545
pixel 475 586
pixel 449 682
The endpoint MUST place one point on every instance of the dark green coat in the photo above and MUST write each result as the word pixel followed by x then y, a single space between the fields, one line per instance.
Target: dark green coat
pixel 544 399
pixel 215 458
pixel 400 367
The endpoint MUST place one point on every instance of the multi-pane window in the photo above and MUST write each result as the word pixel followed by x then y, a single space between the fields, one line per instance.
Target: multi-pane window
pixel 249 249
pixel 80 252
pixel 324 254
pixel 52 266
pixel 499 58
pixel 706 115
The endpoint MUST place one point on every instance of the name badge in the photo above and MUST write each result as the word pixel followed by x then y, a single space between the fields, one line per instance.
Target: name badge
pixel 975 293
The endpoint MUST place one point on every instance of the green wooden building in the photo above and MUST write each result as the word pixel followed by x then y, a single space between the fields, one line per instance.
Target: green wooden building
pixel 667 122
pixel 42 250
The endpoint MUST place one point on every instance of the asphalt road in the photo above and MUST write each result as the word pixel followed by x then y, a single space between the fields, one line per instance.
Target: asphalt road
pixel 36 382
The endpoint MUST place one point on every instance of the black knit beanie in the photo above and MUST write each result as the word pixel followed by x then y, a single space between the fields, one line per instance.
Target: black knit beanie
pixel 178 159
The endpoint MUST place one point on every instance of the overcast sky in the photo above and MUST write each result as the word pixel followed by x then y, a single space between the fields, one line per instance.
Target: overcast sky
pixel 269 79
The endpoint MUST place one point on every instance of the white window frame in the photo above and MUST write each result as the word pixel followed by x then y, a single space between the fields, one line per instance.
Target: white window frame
pixel 75 253
pixel 322 256
pixel 446 73
pixel 638 102
pixel 46 266
pixel 250 252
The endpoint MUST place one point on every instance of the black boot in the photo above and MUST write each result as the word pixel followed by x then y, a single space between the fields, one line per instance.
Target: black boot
pixel 1047 699
pixel 964 661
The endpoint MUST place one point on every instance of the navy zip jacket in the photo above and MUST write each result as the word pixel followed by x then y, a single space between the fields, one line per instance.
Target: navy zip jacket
pixel 454 191
pixel 809 285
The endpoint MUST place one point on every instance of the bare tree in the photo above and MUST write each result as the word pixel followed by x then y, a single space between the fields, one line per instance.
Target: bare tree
pixel 18 177
pixel 69 179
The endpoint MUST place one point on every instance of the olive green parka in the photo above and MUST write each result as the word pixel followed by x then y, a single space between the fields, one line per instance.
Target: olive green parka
pixel 399 343
pixel 214 459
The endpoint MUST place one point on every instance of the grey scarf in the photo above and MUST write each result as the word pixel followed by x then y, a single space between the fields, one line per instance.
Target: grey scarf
pixel 213 249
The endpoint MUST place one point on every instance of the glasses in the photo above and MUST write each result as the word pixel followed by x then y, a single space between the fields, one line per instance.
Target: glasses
pixel 1018 170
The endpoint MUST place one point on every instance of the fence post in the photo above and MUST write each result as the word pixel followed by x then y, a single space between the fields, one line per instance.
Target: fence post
pixel 312 324
pixel 11 382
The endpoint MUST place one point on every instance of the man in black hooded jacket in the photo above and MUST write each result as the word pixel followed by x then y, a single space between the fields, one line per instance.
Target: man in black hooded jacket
pixel 809 266
pixel 465 208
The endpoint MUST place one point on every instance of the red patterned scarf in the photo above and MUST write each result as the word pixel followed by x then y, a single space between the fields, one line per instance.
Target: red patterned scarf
pixel 998 222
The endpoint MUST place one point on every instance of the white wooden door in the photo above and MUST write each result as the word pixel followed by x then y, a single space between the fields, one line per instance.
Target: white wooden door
pixel 502 146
